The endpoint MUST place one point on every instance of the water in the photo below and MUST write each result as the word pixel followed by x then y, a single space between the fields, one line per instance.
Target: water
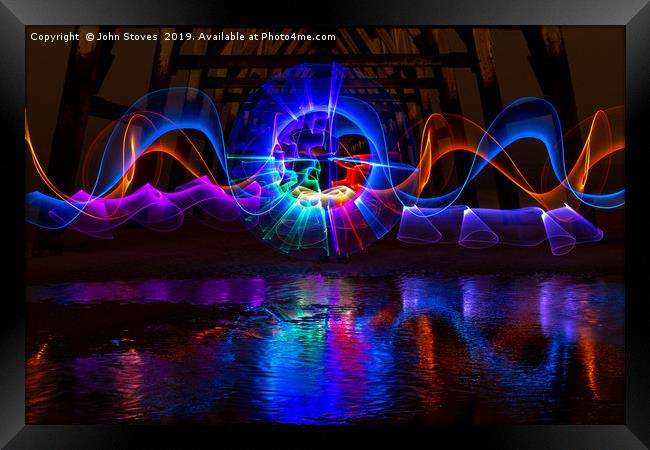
pixel 328 350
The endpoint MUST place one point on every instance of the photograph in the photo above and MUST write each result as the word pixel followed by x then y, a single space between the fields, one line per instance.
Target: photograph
pixel 332 226
pixel 415 230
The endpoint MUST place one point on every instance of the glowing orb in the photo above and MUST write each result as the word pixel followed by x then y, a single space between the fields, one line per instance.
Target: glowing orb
pixel 325 145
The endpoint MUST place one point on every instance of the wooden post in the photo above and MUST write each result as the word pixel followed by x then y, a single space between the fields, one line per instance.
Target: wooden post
pixel 178 173
pixel 160 78
pixel 480 42
pixel 549 61
pixel 81 82
pixel 88 64
pixel 450 103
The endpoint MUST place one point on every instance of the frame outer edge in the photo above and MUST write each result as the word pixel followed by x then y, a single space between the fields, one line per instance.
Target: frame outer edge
pixel 12 79
pixel 12 329
pixel 637 354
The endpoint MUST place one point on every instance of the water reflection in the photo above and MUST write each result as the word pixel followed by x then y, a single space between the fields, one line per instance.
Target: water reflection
pixel 316 349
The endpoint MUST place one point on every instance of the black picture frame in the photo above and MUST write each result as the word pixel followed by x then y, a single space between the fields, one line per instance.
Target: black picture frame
pixel 634 15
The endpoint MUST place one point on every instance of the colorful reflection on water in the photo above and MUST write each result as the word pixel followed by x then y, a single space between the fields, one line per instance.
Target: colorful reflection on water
pixel 317 349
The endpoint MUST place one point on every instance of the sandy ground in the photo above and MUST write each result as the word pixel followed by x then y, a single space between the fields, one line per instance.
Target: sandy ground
pixel 196 251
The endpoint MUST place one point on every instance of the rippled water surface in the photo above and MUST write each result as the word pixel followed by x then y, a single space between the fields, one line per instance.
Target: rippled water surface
pixel 316 349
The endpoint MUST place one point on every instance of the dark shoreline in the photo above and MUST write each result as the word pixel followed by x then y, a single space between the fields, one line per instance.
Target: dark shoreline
pixel 199 252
